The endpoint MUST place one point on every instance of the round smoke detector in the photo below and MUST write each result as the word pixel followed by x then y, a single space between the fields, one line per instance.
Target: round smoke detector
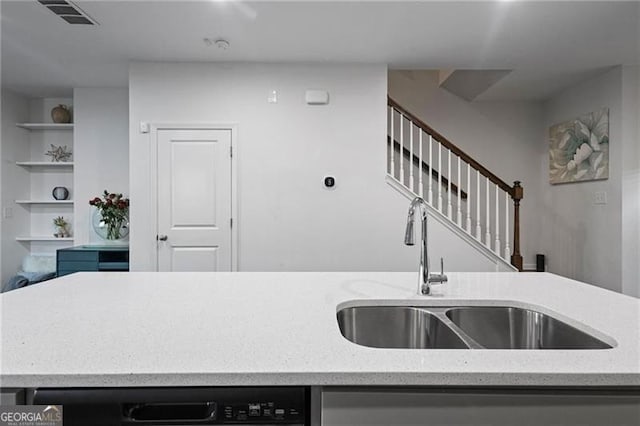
pixel 220 43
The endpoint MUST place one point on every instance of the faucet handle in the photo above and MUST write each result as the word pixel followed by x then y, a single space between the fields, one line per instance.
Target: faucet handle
pixel 441 277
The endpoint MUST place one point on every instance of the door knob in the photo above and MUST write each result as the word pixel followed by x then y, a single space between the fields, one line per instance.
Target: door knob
pixel 163 237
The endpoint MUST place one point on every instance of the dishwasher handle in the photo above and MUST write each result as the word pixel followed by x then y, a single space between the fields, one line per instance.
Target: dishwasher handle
pixel 184 412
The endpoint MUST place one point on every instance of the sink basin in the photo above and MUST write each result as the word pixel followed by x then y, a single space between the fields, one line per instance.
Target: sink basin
pixel 396 327
pixel 516 328
pixel 460 327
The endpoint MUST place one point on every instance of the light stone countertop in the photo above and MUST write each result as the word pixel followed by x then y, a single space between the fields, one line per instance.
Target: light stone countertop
pixel 196 329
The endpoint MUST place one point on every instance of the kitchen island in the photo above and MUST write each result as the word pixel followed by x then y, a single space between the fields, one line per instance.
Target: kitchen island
pixel 280 329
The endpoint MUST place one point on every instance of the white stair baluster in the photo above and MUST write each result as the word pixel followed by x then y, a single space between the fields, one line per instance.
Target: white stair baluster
pixel 449 212
pixel 440 177
pixel 402 149
pixel 429 175
pixel 393 144
pixel 469 198
pixel 507 248
pixel 410 164
pixel 420 184
pixel 487 221
pixel 478 228
pixel 496 247
pixel 459 218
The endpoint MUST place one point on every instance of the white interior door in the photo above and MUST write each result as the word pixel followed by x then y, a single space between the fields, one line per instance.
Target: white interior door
pixel 194 200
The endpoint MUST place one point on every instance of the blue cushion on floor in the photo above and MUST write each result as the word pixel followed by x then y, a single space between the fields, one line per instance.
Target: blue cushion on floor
pixel 24 279
pixel 17 281
pixel 36 277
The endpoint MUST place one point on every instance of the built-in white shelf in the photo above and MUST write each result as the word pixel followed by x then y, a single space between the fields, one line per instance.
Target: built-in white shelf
pixel 44 201
pixel 37 206
pixel 46 126
pixel 43 238
pixel 61 164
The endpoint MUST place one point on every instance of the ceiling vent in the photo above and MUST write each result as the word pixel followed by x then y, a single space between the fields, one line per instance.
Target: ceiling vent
pixel 68 11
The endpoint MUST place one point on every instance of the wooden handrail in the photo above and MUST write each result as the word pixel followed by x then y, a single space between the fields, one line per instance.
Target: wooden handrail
pixel 451 146
pixel 425 166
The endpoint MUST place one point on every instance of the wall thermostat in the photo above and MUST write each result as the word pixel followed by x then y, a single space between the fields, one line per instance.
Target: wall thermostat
pixel 329 182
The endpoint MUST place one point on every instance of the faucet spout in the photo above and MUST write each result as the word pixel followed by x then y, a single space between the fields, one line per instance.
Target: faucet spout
pixel 426 278
pixel 409 237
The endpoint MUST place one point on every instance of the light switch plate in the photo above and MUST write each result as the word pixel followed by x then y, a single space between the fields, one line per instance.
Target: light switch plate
pixel 600 197
pixel 273 97
pixel 7 212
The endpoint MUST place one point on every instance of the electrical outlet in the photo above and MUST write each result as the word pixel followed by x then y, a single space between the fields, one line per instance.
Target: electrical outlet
pixel 600 197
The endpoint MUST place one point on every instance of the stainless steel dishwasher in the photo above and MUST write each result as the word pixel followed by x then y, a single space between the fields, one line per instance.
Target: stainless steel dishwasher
pixel 179 406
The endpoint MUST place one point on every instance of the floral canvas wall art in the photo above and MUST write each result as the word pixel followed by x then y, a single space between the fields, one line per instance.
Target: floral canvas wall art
pixel 579 148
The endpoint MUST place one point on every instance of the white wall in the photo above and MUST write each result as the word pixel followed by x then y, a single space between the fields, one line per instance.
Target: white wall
pixel 101 140
pixel 502 136
pixel 631 180
pixel 584 240
pixel 634 287
pixel 15 182
pixel 287 221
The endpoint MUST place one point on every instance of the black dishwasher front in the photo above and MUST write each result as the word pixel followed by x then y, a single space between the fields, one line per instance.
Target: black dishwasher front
pixel 179 406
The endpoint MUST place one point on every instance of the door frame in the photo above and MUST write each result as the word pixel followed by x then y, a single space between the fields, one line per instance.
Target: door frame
pixel 153 178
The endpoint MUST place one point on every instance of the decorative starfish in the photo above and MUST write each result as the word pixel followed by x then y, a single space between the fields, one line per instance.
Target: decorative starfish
pixel 59 153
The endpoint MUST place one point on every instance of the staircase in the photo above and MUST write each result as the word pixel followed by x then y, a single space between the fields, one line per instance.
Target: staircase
pixel 461 193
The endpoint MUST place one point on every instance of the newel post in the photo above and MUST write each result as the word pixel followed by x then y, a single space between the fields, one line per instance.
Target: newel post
pixel 517 195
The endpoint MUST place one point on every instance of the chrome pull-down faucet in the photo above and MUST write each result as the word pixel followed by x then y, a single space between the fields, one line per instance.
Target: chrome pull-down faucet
pixel 426 278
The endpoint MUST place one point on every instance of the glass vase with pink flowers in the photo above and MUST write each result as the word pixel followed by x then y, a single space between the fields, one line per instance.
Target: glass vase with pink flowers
pixel 111 218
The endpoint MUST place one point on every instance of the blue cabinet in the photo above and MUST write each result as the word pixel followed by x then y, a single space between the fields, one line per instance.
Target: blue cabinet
pixel 92 258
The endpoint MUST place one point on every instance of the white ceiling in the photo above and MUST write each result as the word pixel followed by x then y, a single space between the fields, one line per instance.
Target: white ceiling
pixel 548 44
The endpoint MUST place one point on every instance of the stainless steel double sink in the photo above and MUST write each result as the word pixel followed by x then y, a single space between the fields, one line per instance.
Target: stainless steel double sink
pixel 460 327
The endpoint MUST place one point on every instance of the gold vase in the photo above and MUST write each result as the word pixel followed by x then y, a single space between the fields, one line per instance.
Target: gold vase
pixel 61 114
